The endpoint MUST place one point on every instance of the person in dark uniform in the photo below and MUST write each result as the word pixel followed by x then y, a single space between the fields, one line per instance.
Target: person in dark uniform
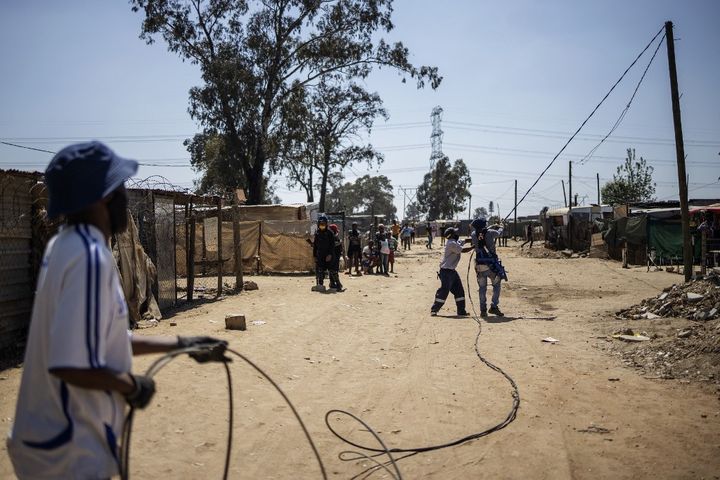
pixel 449 279
pixel 323 249
pixel 338 253
pixel 354 249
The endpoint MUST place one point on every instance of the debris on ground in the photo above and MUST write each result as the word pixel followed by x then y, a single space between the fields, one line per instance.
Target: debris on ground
pixel 250 285
pixel 550 340
pixel 629 335
pixel 541 252
pixel 682 327
pixel 696 300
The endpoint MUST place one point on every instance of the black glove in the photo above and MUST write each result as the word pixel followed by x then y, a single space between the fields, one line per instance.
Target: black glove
pixel 209 349
pixel 143 393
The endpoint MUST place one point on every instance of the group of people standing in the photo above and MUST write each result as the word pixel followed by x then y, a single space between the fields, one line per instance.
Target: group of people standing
pixel 487 268
pixel 377 256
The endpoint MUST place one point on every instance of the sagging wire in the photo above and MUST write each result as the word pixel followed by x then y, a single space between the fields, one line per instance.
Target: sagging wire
pixel 626 109
pixel 164 360
pixel 572 137
pixel 509 418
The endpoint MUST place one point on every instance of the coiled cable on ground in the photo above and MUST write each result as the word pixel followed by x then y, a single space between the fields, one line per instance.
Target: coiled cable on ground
pixel 161 362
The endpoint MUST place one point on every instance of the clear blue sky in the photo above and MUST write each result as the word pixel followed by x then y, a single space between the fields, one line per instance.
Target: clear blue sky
pixel 519 77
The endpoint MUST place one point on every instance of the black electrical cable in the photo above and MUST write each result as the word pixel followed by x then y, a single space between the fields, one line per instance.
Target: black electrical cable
pixel 586 120
pixel 161 362
pixel 510 417
pixel 627 107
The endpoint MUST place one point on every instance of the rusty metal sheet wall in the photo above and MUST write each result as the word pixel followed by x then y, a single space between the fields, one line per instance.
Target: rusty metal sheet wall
pixel 16 260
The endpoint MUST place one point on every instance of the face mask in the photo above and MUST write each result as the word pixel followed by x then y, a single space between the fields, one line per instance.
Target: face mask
pixel 117 210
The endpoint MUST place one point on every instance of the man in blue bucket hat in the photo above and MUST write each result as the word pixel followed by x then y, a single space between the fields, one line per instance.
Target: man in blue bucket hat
pixel 76 375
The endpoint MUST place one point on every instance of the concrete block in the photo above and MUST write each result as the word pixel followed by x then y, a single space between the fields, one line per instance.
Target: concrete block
pixel 235 321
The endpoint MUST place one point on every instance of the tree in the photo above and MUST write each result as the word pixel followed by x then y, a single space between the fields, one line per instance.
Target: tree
pixel 412 212
pixel 207 152
pixel 632 182
pixel 480 212
pixel 368 195
pixel 322 127
pixel 254 54
pixel 444 189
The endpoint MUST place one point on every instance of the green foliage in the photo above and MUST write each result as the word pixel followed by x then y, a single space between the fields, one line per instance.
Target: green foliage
pixel 368 195
pixel 480 212
pixel 221 175
pixel 444 190
pixel 322 126
pixel 412 212
pixel 632 183
pixel 254 54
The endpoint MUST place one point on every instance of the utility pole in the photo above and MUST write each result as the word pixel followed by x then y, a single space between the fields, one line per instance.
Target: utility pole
pixel 515 213
pixel 570 198
pixel 598 188
pixel 680 152
pixel 564 197
pixel 470 207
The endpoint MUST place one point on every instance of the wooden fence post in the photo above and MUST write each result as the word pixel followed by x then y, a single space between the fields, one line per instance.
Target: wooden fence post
pixel 237 243
pixel 191 257
pixel 219 248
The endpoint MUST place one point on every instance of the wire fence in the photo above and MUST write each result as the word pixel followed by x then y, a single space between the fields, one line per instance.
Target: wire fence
pixel 23 233
pixel 179 248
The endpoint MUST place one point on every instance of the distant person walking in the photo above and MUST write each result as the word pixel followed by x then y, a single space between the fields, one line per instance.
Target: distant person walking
pixel 412 233
pixel 405 237
pixel 528 235
pixel 429 236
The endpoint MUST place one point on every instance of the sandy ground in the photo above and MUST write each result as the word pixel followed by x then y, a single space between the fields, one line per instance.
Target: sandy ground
pixel 375 351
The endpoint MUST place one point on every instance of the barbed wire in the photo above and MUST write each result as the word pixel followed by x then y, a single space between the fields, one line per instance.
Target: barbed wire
pixel 156 182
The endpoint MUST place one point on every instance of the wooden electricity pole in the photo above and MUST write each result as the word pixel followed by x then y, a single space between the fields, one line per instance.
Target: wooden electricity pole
pixel 570 202
pixel 680 153
pixel 598 187
pixel 515 213
pixel 564 196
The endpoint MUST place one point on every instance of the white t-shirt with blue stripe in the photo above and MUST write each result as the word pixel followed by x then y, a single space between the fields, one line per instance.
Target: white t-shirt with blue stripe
pixel 79 320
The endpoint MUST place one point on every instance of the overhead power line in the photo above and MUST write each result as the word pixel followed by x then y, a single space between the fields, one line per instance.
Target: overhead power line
pixel 585 121
pixel 626 109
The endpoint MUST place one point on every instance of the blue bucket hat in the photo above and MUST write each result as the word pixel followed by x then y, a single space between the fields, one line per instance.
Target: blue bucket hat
pixel 81 174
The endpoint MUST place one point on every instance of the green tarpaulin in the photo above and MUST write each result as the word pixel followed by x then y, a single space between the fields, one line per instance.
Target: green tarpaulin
pixel 629 229
pixel 665 237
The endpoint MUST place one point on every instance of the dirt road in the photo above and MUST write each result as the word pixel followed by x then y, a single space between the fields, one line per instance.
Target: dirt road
pixel 375 351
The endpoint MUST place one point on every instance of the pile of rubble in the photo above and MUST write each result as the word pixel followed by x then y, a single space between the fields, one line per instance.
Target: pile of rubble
pixel 696 300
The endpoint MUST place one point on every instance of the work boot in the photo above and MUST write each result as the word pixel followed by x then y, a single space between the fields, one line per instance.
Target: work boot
pixel 495 310
pixel 483 312
pixel 318 288
pixel 463 314
pixel 433 313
